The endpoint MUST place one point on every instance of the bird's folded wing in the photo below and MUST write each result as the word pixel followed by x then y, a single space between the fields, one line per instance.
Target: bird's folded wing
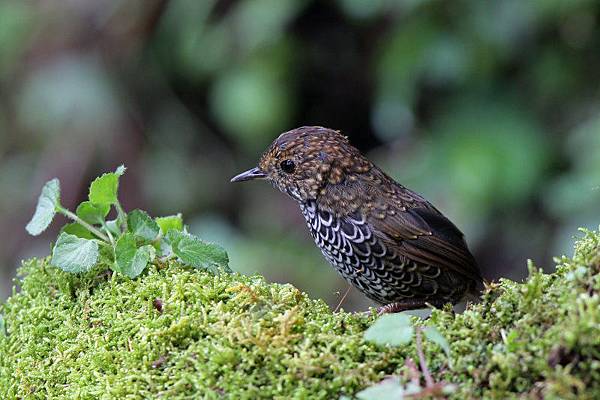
pixel 426 236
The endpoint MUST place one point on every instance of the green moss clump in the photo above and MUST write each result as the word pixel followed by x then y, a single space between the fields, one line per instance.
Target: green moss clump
pixel 177 333
pixel 537 339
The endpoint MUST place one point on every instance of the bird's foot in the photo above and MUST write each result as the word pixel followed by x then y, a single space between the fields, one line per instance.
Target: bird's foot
pixel 407 305
pixel 394 308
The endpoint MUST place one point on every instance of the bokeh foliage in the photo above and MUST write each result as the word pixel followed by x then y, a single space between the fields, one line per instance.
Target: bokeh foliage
pixel 490 109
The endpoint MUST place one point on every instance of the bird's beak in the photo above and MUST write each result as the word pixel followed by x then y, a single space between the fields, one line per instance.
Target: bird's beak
pixel 254 173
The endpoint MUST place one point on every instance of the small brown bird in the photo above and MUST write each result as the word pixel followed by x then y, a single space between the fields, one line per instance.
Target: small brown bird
pixel 386 240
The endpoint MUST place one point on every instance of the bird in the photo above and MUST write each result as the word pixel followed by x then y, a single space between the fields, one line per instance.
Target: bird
pixel 383 238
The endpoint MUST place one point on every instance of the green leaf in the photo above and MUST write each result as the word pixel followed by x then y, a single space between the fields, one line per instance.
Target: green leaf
pixel 198 253
pixel 142 257
pixel 130 260
pixel 125 249
pixel 2 326
pixel 92 213
pixel 77 230
pixel 74 254
pixel 165 248
pixel 392 329
pixel 45 210
pixel 113 227
pixel 103 189
pixel 431 333
pixel 389 389
pixel 142 225
pixel 170 222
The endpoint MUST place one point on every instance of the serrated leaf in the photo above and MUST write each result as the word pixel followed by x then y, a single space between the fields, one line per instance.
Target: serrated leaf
pixel 131 260
pixel 389 389
pixel 78 230
pixel 92 213
pixel 392 329
pixel 104 189
pixel 174 237
pixel 46 207
pixel 431 333
pixel 142 225
pixel 74 254
pixel 197 253
pixel 170 222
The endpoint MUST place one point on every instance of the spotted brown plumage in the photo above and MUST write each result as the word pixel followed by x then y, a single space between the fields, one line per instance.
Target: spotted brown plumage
pixel 386 240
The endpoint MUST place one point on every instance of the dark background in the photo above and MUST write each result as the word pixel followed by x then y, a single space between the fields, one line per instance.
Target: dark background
pixel 489 109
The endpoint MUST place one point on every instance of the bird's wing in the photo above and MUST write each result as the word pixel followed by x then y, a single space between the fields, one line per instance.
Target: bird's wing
pixel 421 233
pixel 406 222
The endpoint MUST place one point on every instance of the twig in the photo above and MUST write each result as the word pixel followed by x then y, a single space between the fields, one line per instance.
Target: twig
pixel 422 362
pixel 342 299
pixel 413 372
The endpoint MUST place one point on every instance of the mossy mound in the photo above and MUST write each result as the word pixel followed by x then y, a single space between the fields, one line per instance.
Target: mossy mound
pixel 176 333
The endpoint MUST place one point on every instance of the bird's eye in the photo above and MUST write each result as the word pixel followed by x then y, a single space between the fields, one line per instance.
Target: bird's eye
pixel 287 166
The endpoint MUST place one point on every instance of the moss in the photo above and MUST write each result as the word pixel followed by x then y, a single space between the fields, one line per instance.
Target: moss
pixel 176 333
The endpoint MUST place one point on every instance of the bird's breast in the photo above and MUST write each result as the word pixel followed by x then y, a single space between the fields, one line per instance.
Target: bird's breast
pixel 359 255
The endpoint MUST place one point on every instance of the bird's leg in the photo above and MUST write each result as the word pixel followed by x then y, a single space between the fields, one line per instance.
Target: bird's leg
pixel 406 305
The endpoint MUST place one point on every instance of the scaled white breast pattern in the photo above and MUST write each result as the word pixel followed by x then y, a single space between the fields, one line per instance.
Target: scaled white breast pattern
pixel 363 259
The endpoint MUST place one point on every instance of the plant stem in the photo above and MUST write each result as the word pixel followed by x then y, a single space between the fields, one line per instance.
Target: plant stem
pixel 81 222
pixel 121 216
pixel 422 361
pixel 110 237
pixel 103 243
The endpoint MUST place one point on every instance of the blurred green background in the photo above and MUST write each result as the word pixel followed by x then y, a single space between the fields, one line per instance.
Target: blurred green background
pixel 489 109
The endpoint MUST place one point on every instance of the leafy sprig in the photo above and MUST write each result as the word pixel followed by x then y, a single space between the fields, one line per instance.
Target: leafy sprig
pixel 128 243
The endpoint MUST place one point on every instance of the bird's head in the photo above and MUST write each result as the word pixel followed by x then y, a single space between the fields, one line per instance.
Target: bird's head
pixel 304 161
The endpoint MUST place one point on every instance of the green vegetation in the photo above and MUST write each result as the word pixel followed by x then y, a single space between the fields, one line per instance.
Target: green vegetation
pixel 126 244
pixel 177 332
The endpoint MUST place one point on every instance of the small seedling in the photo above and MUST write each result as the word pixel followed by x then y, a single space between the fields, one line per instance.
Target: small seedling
pixel 128 243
